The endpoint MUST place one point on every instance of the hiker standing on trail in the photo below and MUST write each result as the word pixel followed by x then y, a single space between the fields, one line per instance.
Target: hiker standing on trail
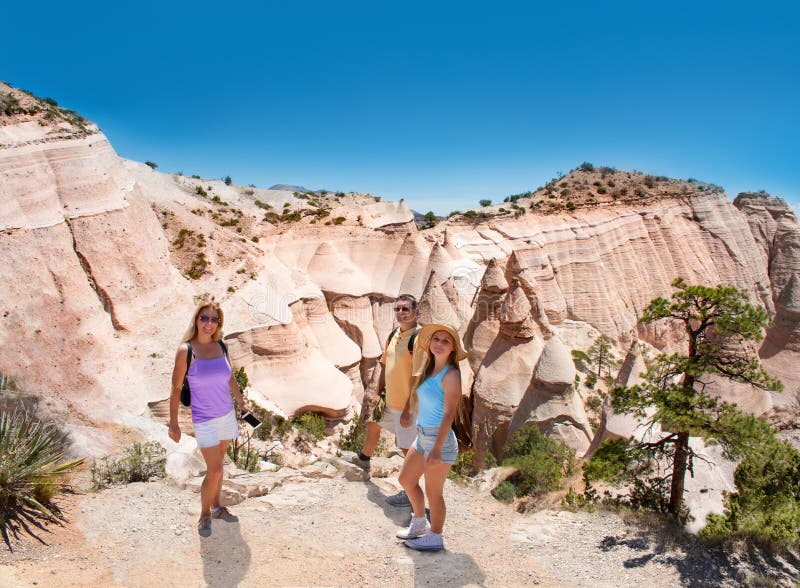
pixel 394 386
pixel 211 384
pixel 435 394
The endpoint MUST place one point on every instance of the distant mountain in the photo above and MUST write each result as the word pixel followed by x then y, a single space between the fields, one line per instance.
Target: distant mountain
pixel 290 188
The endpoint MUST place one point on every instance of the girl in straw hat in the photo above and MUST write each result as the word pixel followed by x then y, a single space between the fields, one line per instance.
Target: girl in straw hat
pixel 435 394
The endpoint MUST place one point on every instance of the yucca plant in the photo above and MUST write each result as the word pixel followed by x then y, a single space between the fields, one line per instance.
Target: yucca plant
pixel 32 471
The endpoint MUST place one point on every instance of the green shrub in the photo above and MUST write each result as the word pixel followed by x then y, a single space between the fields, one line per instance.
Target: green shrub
pixel 541 462
pixel 198 267
pixel 243 455
pixel 505 492
pixel 339 220
pixel 464 466
pixel 571 205
pixel 586 166
pixel 485 202
pixel 152 165
pixel 199 190
pixel 139 462
pixel 195 177
pixel 241 378
pixel 470 214
pixel 32 472
pixel 227 180
pixel 353 438
pixel 311 423
pixel 766 504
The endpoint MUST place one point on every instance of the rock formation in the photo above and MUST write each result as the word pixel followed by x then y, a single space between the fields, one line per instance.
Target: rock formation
pixel 105 259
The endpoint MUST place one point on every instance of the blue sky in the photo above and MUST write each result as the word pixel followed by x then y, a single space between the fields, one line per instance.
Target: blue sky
pixel 442 104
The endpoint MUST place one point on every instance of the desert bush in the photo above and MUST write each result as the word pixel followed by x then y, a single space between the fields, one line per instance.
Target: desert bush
pixel 152 165
pixel 586 166
pixel 541 462
pixel 339 220
pixel 227 180
pixel 571 205
pixel 766 505
pixel 195 177
pixel 200 191
pixel 198 267
pixel 470 214
pixel 32 472
pixel 139 462
pixel 505 492
pixel 243 455
pixel 311 423
pixel 485 202
pixel 353 438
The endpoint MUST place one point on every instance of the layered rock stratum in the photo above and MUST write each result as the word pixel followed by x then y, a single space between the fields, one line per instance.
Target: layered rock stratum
pixel 105 258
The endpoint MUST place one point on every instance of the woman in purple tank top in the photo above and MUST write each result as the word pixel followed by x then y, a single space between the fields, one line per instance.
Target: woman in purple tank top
pixel 211 382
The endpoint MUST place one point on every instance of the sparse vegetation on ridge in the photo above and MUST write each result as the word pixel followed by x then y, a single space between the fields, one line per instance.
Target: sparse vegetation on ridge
pixel 139 462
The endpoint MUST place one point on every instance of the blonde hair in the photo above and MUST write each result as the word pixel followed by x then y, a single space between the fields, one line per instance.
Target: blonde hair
pixel 428 370
pixel 191 332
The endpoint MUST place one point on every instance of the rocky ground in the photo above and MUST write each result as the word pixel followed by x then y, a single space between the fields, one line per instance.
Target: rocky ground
pixel 323 526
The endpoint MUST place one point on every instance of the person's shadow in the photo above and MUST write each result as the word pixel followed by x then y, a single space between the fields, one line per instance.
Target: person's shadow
pixel 225 554
pixel 445 568
pixel 400 516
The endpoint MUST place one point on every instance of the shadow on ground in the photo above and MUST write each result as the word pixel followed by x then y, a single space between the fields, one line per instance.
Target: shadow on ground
pixel 225 554
pixel 702 565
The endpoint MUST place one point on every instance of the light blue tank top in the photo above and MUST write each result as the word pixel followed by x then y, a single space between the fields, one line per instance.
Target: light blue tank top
pixel 431 400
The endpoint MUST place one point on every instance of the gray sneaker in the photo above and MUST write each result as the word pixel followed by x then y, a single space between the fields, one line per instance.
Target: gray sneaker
pixel 364 464
pixel 399 499
pixel 428 542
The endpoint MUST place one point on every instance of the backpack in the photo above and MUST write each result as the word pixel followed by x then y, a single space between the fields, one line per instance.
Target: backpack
pixel 411 339
pixel 186 394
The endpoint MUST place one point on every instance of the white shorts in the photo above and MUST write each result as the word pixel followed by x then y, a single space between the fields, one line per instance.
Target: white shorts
pixel 212 432
pixel 391 422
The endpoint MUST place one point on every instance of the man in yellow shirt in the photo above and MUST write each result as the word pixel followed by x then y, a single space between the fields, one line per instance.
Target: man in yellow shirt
pixel 395 382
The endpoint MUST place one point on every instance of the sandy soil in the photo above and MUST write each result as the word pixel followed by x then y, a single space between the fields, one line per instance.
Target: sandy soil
pixel 335 532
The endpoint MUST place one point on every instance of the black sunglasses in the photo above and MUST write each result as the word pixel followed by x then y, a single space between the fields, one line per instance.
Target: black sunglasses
pixel 403 309
pixel 214 320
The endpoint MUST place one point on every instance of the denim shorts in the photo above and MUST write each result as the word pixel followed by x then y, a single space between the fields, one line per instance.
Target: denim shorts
pixel 212 432
pixel 426 437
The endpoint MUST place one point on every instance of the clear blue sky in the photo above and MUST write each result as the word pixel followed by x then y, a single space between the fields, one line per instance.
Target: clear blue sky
pixel 440 103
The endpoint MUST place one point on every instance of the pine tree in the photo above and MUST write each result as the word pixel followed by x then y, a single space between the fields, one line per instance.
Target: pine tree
pixel 716 322
pixel 601 355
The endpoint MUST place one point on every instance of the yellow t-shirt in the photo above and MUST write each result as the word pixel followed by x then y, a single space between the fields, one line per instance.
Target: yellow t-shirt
pixel 396 360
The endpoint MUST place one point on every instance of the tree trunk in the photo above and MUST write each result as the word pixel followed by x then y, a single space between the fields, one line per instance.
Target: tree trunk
pixel 679 466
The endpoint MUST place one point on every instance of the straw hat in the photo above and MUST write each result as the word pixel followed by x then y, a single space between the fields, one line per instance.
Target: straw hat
pixel 427 331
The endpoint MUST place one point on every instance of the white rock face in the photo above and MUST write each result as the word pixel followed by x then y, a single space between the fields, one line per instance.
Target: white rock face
pixel 104 260
pixel 552 402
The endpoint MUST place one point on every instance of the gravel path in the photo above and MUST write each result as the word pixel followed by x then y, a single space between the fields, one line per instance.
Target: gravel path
pixel 334 532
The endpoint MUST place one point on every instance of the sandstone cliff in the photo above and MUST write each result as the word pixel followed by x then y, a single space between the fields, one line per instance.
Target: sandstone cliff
pixel 104 259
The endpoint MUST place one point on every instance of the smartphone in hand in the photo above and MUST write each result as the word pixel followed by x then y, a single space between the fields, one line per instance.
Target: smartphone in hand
pixel 251 420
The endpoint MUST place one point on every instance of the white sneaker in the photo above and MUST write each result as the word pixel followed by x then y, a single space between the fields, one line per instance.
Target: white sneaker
pixel 417 528
pixel 429 542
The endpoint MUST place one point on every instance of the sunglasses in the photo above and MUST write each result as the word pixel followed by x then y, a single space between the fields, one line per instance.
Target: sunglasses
pixel 214 320
pixel 402 309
